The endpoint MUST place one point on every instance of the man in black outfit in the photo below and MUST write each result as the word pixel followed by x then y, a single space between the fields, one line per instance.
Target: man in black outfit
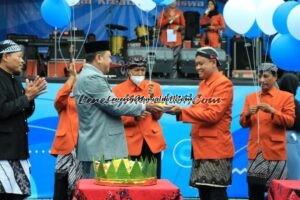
pixel 16 105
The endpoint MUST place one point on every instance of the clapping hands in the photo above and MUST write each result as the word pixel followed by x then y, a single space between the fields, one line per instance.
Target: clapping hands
pixel 35 88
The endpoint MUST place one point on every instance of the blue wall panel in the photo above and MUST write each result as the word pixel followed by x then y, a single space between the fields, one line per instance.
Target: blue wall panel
pixel 176 163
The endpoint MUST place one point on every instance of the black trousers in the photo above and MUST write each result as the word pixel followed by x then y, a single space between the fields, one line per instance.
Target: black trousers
pixel 256 192
pixel 4 196
pixel 212 193
pixel 147 154
pixel 61 186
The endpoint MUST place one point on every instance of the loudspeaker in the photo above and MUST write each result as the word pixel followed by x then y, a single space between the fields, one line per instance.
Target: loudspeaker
pixel 243 53
pixel 31 52
pixel 191 24
pixel 187 61
pixel 21 38
pixel 161 57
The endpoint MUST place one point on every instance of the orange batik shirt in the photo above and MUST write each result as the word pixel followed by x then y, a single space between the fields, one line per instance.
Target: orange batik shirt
pixel 210 116
pixel 267 131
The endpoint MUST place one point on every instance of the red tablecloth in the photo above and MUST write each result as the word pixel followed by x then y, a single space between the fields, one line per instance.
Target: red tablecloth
pixel 284 190
pixel 86 189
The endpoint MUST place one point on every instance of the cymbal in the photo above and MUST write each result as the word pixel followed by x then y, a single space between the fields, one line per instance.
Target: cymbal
pixel 116 26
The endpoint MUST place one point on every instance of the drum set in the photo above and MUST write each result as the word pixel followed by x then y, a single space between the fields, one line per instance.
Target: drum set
pixel 118 43
pixel 146 35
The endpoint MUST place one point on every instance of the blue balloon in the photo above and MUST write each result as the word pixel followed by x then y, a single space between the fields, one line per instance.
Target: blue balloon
pixel 56 13
pixel 254 31
pixel 285 52
pixel 281 14
pixel 158 1
pixel 167 2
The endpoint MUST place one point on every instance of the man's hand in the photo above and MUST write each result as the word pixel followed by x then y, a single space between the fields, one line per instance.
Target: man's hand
pixel 266 108
pixel 252 110
pixel 172 19
pixel 151 90
pixel 72 70
pixel 35 88
pixel 212 28
pixel 153 108
pixel 175 110
pixel 142 116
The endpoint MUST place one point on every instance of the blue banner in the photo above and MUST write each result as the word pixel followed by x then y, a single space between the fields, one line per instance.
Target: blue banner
pixel 24 17
pixel 176 162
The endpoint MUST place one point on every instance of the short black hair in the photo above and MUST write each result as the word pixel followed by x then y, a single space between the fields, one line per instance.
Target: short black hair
pixel 89 57
pixel 91 36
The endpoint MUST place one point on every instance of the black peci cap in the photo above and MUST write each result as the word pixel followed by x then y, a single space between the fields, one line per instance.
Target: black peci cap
pixel 95 46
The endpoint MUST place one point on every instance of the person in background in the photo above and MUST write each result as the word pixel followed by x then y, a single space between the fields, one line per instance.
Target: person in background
pixel 144 135
pixel 267 113
pixel 91 37
pixel 289 83
pixel 212 22
pixel 16 105
pixel 67 167
pixel 101 131
pixel 171 22
pixel 210 116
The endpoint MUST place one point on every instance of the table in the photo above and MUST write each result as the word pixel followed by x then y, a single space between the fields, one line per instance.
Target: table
pixel 284 190
pixel 86 189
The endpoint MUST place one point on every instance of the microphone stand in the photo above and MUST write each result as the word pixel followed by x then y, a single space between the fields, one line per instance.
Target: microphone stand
pixel 55 52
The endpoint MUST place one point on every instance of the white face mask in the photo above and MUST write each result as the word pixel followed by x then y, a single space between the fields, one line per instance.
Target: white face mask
pixel 137 79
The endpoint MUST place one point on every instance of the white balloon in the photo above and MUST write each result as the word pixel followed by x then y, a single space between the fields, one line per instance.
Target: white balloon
pixel 256 2
pixel 265 12
pixel 293 22
pixel 239 15
pixel 72 2
pixel 145 5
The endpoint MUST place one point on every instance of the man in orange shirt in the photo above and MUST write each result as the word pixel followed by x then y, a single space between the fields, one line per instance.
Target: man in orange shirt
pixel 172 21
pixel 67 167
pixel 210 115
pixel 143 134
pixel 267 113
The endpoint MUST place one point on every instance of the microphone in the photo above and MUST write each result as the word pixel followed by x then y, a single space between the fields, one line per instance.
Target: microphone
pixel 206 11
